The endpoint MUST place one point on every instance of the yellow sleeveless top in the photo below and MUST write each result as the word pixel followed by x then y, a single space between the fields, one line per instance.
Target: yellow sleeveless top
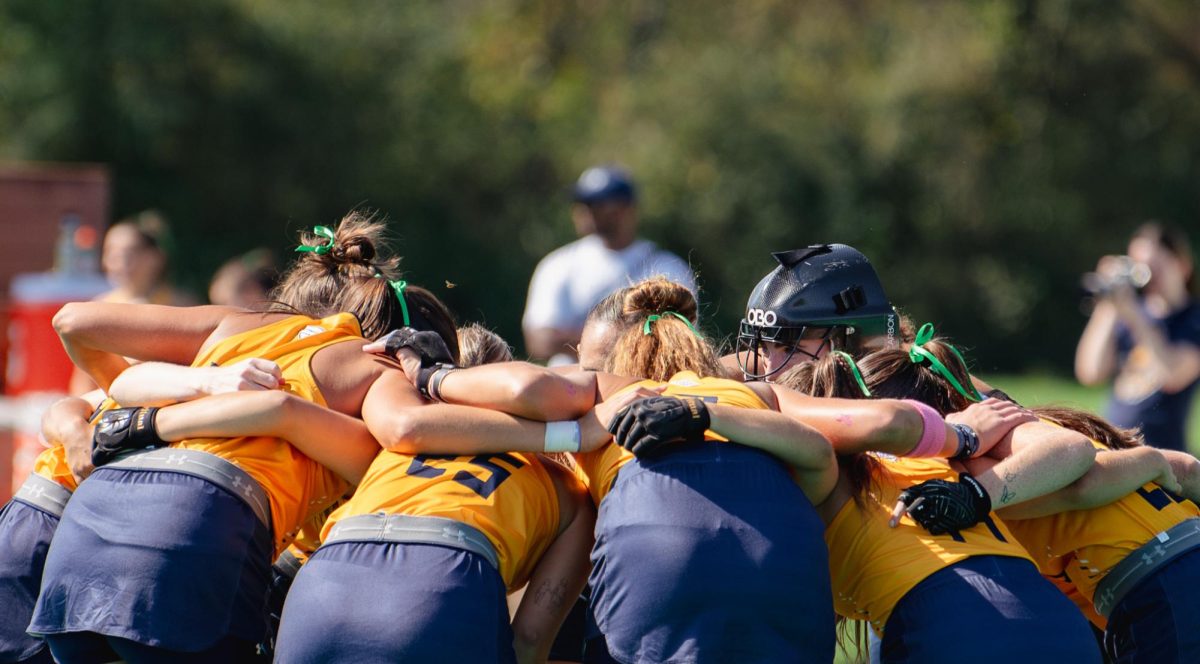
pixel 1083 545
pixel 296 485
pixel 599 468
pixel 52 464
pixel 510 498
pixel 873 565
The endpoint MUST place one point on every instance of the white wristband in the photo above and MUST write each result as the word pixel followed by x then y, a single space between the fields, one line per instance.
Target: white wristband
pixel 562 436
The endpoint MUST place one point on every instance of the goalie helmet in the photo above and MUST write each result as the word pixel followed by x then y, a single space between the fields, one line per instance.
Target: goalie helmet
pixel 823 291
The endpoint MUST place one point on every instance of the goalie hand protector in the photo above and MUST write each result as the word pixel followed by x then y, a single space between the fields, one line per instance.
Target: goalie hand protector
pixel 123 430
pixel 644 426
pixel 948 506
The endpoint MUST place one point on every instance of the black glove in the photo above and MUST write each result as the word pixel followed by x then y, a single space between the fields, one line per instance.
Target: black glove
pixel 122 430
pixel 429 346
pixel 948 506
pixel 646 425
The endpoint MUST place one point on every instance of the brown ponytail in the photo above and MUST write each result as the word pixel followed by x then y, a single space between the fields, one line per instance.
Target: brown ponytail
pixel 353 277
pixel 658 348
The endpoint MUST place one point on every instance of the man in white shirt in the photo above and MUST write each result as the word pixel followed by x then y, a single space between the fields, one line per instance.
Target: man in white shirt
pixel 572 279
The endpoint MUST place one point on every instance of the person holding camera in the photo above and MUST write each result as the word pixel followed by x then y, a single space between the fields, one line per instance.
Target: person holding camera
pixel 1145 331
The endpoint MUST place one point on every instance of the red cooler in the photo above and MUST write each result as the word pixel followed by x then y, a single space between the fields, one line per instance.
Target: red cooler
pixel 38 368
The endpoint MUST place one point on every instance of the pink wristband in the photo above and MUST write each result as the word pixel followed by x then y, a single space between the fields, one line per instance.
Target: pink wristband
pixel 934 435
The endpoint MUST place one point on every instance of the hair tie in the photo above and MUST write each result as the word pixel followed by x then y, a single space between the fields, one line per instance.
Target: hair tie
pixel 321 249
pixel 653 317
pixel 862 385
pixel 918 354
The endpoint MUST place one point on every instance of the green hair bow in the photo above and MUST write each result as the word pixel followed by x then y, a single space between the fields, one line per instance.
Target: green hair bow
pixel 919 354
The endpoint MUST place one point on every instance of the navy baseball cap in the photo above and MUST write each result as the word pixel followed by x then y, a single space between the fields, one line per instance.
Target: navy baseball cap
pixel 602 183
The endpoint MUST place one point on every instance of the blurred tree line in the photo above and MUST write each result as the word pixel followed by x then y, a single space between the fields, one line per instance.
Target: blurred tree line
pixel 982 154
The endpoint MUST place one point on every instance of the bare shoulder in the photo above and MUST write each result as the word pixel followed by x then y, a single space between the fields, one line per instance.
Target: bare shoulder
pixel 344 374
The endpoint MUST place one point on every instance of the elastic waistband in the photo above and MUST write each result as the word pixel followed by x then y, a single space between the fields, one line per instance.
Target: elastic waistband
pixel 415 529
pixel 44 494
pixel 1144 561
pixel 211 467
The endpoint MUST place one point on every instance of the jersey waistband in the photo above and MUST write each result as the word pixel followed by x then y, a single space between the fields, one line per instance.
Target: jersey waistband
pixel 211 467
pixel 1144 561
pixel 44 494
pixel 438 530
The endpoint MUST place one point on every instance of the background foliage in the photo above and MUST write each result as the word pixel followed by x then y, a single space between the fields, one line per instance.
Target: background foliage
pixel 983 154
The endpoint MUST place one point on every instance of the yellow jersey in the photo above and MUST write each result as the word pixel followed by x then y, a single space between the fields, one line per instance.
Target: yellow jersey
pixel 510 498
pixel 52 464
pixel 598 469
pixel 873 565
pixel 296 486
pixel 1081 546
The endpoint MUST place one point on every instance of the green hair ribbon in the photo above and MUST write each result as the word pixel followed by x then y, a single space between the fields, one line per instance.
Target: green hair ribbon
pixel 321 249
pixel 918 354
pixel 862 384
pixel 653 317
pixel 398 287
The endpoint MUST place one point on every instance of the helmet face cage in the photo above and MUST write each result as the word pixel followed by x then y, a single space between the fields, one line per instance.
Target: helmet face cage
pixel 752 337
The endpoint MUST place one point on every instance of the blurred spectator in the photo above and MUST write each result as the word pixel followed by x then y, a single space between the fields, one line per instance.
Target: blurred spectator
pixel 1145 329
pixel 244 281
pixel 572 279
pixel 134 258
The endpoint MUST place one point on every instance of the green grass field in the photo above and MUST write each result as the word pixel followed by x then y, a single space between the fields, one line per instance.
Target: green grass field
pixel 1045 389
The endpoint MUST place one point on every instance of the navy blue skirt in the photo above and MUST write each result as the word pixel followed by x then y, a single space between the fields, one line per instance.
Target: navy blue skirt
pixel 987 610
pixel 159 558
pixel 711 553
pixel 360 602
pixel 25 534
pixel 1158 621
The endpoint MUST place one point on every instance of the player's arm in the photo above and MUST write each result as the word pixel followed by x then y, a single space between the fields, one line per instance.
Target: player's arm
pixel 99 335
pixel 522 389
pixel 1186 469
pixel 560 574
pixel 420 427
pixel 1114 475
pixel 337 441
pixel 1037 458
pixel 893 426
pixel 517 388
pixel 161 383
pixel 65 423
pixel 797 444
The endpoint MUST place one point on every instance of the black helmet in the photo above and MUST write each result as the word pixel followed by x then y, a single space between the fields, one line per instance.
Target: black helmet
pixel 827 287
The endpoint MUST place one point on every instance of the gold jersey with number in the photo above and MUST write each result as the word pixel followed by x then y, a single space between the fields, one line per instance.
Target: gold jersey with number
pixel 296 486
pixel 599 468
pixel 873 565
pixel 509 497
pixel 1081 546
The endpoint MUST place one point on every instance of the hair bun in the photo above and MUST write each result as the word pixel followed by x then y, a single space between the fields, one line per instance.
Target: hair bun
pixel 659 294
pixel 353 249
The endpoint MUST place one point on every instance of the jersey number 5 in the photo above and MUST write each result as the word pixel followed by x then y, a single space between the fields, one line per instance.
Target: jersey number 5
pixel 483 488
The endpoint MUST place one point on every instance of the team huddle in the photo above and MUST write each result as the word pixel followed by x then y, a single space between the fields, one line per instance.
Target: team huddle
pixel 347 476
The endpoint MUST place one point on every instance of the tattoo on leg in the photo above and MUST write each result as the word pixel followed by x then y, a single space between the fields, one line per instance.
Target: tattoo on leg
pixel 551 596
